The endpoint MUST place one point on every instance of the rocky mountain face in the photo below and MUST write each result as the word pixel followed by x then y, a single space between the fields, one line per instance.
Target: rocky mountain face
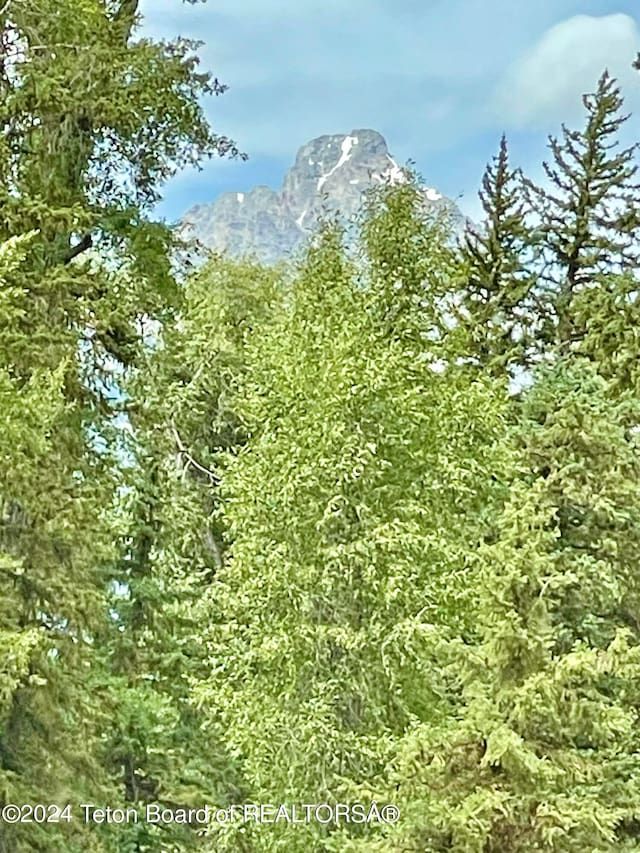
pixel 330 172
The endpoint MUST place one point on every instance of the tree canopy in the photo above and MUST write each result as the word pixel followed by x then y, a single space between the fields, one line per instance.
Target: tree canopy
pixel 358 528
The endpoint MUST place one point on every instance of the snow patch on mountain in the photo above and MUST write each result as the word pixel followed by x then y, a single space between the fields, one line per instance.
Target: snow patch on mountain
pixel 347 145
pixel 394 172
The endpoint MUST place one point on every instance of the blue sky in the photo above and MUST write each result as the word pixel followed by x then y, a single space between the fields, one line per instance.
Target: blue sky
pixel 440 79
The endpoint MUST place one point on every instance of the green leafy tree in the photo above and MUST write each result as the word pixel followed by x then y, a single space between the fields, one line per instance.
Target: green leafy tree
pixel 345 511
pixel 171 547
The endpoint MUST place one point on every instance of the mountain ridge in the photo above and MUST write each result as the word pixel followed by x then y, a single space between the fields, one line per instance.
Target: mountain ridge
pixel 330 172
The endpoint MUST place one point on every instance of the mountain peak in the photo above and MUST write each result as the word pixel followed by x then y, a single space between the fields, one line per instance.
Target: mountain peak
pixel 331 171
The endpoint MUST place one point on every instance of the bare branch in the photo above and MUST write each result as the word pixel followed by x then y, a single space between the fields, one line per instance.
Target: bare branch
pixel 184 452
pixel 82 246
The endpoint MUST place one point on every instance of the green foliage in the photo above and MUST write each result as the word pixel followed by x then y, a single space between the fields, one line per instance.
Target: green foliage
pixel 268 535
pixel 609 315
pixel 543 753
pixel 546 254
pixel 94 121
pixel 50 578
pixel 496 312
pixel 171 545
pixel 588 220
pixel 413 587
pixel 344 512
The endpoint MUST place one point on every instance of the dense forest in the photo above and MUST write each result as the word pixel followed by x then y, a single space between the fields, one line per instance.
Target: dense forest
pixel 359 528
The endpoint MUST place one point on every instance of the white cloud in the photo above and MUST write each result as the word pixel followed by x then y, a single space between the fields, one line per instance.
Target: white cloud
pixel 547 82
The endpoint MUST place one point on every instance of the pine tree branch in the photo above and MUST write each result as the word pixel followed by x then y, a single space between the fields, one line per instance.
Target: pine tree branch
pixel 85 243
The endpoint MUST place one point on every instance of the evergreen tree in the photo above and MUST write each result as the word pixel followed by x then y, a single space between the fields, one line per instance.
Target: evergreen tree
pixel 496 314
pixel 93 121
pixel 171 547
pixel 610 317
pixel 86 148
pixel 266 537
pixel 542 753
pixel 589 219
pixel 53 540
pixel 28 413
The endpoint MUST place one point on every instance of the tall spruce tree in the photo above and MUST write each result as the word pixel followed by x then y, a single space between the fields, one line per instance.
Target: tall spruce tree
pixel 589 217
pixel 94 120
pixel 495 313
pixel 542 753
pixel 54 485
pixel 28 413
